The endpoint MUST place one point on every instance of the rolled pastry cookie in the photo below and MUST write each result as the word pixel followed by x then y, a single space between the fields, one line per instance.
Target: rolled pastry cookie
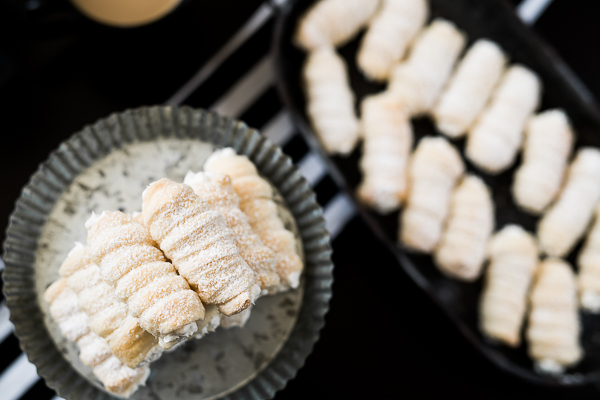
pixel 469 88
pixel 217 190
pixel 496 136
pixel 390 32
pixel 548 145
pixel 387 142
pixel 198 242
pixel 419 80
pixel 513 254
pixel 130 260
pixel 107 314
pixel 94 351
pixel 565 222
pixel 554 327
pixel 256 201
pixel 433 171
pixel 330 101
pixel 589 268
pixel 333 22
pixel 461 251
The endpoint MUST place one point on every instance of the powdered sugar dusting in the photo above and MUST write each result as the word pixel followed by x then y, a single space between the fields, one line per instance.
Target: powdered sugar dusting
pixel 104 312
pixel 217 190
pixel 269 225
pixel 119 243
pixel 95 352
pixel 199 244
pixel 94 296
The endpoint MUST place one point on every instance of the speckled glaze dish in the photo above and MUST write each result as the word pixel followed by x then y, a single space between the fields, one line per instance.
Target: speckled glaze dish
pixel 495 20
pixel 106 166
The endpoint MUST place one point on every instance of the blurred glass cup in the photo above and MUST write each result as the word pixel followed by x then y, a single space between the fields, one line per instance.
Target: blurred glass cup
pixel 125 13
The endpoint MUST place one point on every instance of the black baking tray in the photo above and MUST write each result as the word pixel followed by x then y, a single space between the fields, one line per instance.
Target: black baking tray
pixel 495 20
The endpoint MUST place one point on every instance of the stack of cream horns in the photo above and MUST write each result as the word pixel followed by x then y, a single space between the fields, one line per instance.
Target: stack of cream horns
pixel 196 257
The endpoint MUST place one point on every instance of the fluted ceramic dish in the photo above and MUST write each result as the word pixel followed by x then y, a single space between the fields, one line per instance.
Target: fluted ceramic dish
pixel 106 166
pixel 496 20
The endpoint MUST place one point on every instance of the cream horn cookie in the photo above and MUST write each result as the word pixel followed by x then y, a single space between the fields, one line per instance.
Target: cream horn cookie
pixel 98 300
pixel 513 255
pixel 256 201
pixel 63 307
pixel 130 260
pixel 565 222
pixel 546 151
pixel 330 101
pixel 419 80
pixel 333 22
pixel 390 32
pixel 462 249
pixel 107 314
pixel 198 242
pixel 554 327
pixel 496 136
pixel 588 261
pixel 469 88
pixel 217 190
pixel 94 351
pixel 388 139
pixel 433 171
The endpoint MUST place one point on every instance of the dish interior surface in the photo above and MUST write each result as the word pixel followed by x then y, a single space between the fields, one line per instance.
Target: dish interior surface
pixel 494 20
pixel 220 362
